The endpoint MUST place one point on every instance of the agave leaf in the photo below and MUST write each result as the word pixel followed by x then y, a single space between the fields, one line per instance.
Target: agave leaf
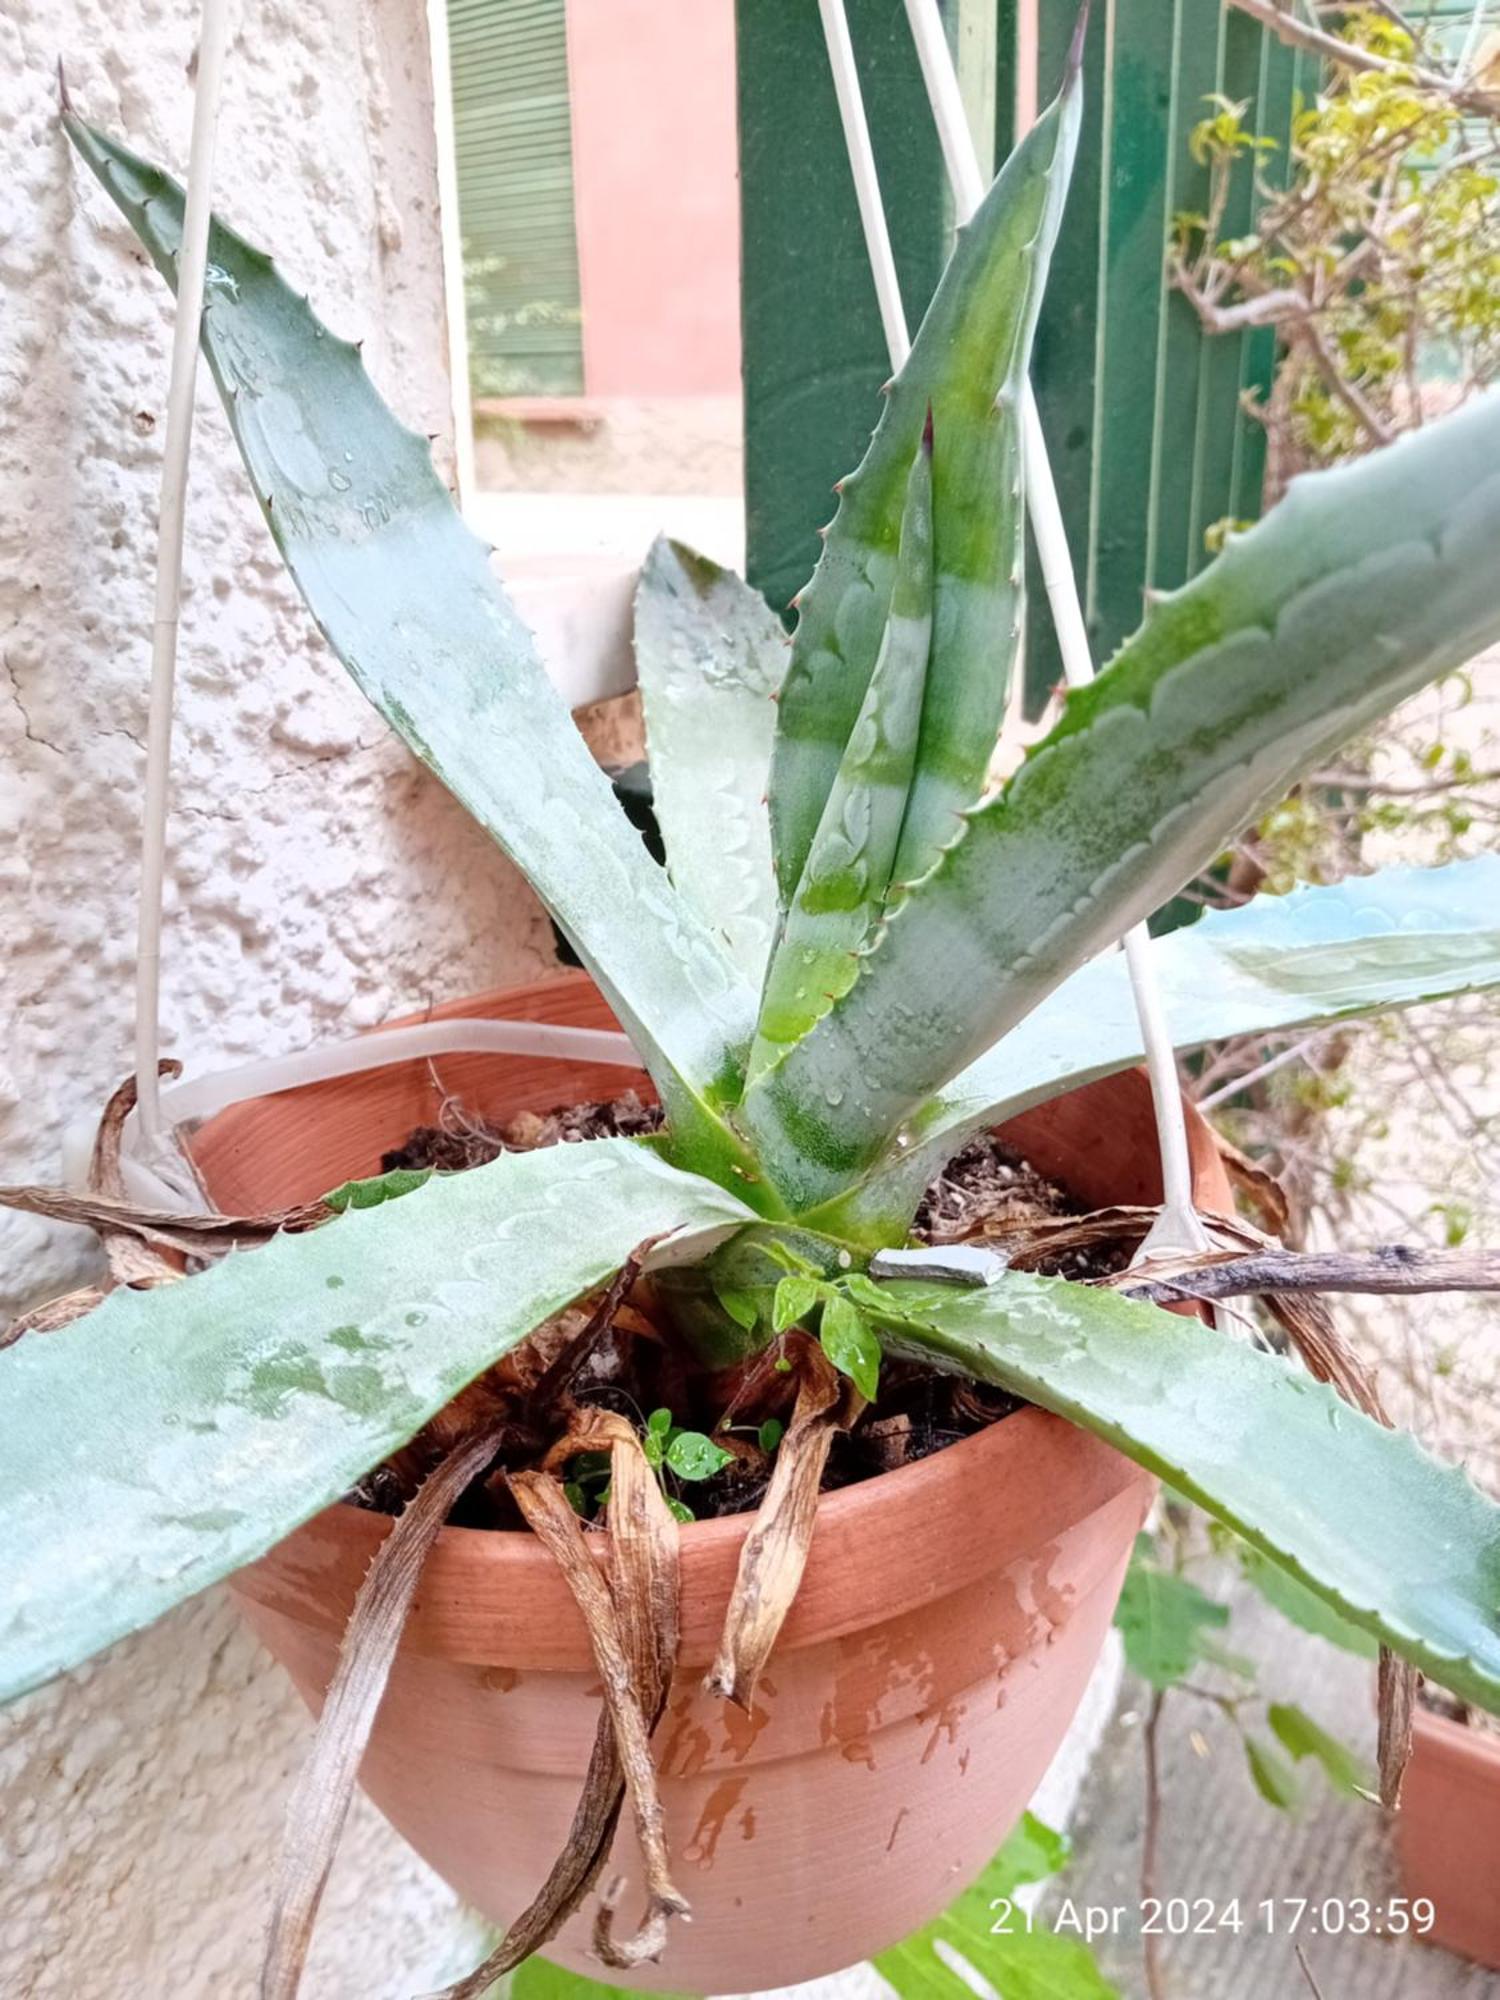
pixel 174 1435
pixel 1393 939
pixel 843 887
pixel 968 365
pixel 1405 1547
pixel 710 654
pixel 405 596
pixel 1364 584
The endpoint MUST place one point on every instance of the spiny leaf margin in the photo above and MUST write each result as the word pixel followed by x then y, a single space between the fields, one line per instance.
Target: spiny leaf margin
pixel 405 596
pixel 174 1435
pixel 1404 1546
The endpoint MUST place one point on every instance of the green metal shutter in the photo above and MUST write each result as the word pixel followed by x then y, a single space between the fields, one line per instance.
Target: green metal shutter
pixel 1150 445
pixel 514 142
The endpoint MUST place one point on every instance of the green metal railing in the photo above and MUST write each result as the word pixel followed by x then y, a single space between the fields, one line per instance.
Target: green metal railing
pixel 1150 443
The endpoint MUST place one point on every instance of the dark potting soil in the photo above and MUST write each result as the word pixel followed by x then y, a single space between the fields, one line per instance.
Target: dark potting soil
pixel 1438 1701
pixel 984 1189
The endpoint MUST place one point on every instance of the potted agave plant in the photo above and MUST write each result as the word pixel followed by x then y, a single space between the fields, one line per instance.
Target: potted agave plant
pixel 857 960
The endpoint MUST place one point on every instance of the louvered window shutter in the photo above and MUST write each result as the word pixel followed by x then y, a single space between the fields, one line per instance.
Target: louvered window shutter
pixel 513 139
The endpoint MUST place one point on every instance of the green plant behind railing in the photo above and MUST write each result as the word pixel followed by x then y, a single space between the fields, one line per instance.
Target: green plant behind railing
pixel 1374 252
pixel 1372 258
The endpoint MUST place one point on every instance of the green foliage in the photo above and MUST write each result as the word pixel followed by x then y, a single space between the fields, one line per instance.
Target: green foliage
pixel 1301 1737
pixel 540 1979
pixel 1169 1624
pixel 850 1344
pixel 1376 256
pixel 693 1456
pixel 795 1299
pixel 1000 1940
pixel 1163 1618
pixel 1272 1773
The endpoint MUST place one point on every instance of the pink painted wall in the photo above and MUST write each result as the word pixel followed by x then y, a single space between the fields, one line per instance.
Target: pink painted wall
pixel 656 197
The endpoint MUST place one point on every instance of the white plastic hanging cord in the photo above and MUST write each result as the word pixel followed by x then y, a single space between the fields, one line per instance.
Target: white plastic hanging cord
pixel 158 1184
pixel 539 1040
pixel 159 1111
pixel 866 184
pixel 192 266
pixel 1178 1226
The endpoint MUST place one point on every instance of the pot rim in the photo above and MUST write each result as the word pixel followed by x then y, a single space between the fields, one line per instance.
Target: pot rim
pixel 938 1525
pixel 1455 1742
pixel 928 1529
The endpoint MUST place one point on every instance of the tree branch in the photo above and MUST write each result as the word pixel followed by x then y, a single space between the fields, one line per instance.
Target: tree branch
pixel 1302 35
pixel 1390 1269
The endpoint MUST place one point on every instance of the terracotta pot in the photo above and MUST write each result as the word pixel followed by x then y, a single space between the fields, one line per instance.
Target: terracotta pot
pixel 1448 1835
pixel 948 1621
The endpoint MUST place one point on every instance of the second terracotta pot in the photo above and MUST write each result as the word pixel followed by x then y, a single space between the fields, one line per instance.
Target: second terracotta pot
pixel 947 1624
pixel 1448 1834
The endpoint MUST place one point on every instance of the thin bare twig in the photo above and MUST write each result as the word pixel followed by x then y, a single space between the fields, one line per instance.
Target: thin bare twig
pixel 1150 1843
pixel 1286 27
pixel 1312 1985
pixel 1392 1268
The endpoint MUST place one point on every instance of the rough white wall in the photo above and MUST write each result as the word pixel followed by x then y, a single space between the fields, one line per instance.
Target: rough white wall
pixel 318 881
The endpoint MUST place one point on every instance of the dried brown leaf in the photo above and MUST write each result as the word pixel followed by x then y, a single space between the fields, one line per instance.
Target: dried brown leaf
pixel 325 1786
pixel 632 1620
pixel 164 1228
pixel 132 1260
pixel 1261 1189
pixel 54 1315
pixel 774 1554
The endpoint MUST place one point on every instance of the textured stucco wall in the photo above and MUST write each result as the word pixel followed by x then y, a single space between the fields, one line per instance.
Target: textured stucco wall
pixel 317 881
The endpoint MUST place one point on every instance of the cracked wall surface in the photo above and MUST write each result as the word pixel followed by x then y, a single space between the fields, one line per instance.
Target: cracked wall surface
pixel 317 881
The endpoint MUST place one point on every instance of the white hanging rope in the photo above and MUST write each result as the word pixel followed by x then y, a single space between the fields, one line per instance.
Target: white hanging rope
pixel 159 1111
pixel 539 1040
pixel 1178 1226
pixel 866 185
pixel 192 266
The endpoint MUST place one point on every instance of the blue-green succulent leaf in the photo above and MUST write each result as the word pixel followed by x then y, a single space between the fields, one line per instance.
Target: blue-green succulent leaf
pixel 968 367
pixel 710 655
pixel 406 598
pixel 1364 584
pixel 848 870
pixel 1393 939
pixel 174 1435
pixel 1403 1546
